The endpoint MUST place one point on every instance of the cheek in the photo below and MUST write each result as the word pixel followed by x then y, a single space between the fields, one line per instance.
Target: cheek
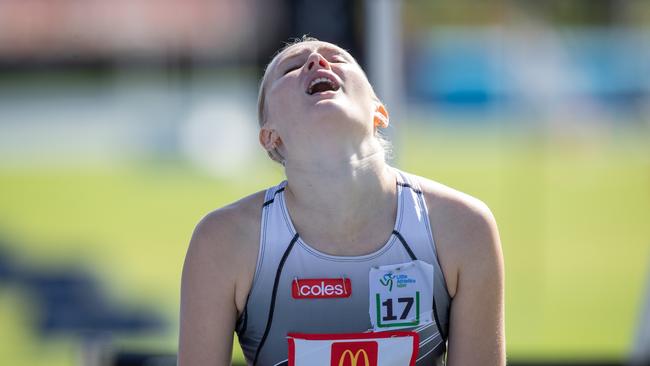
pixel 283 110
pixel 357 86
pixel 362 95
pixel 280 102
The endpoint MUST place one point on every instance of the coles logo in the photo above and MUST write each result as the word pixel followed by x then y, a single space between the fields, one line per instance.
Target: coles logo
pixel 354 354
pixel 321 288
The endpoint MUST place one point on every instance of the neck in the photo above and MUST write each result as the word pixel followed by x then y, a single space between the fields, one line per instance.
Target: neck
pixel 345 196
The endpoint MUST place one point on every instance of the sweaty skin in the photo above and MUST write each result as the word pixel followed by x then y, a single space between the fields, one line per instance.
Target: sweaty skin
pixel 330 150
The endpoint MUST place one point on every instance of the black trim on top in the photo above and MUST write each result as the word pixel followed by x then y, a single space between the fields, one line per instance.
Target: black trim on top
pixel 273 295
pixel 272 198
pixel 409 186
pixel 406 246
pixel 435 316
pixel 435 309
pixel 242 321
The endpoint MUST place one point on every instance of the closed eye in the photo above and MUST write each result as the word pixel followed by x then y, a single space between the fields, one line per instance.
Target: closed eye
pixel 292 68
pixel 341 57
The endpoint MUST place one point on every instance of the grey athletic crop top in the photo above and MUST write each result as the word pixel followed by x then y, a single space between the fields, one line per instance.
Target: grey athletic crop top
pixel 298 289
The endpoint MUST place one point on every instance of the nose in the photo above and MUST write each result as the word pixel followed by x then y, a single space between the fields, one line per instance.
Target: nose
pixel 317 59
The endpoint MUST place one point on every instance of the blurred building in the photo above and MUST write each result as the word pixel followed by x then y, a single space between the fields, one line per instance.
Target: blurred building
pixel 569 61
pixel 133 78
pixel 71 30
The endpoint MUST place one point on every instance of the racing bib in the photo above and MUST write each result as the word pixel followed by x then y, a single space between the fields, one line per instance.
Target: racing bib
pixel 401 295
pixel 353 349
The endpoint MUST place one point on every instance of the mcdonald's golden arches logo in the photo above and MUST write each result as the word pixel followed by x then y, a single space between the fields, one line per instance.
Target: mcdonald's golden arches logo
pixel 362 353
pixel 354 358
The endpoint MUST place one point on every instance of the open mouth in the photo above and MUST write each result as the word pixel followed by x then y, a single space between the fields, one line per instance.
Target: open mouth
pixel 322 84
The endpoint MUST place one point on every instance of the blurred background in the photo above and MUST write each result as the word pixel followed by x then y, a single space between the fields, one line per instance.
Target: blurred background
pixel 123 122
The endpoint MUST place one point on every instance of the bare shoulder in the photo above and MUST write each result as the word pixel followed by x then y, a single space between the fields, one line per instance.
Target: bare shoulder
pixel 233 222
pixel 226 242
pixel 454 206
pixel 464 230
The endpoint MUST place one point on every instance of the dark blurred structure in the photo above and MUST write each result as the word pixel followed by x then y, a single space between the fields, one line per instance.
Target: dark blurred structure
pixel 641 347
pixel 72 302
pixel 336 21
pixel 69 302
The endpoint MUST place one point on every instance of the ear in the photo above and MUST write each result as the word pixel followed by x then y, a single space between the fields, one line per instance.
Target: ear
pixel 380 117
pixel 269 138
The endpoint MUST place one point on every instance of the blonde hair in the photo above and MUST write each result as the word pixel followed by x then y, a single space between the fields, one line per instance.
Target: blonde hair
pixel 261 98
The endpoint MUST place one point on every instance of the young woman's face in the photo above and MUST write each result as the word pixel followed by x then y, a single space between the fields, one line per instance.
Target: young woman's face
pixel 317 98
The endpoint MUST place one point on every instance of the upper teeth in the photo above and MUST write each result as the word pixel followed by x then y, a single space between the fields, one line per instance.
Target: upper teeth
pixel 319 80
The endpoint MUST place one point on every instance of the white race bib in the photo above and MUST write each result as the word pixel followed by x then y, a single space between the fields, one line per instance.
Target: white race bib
pixel 355 349
pixel 401 295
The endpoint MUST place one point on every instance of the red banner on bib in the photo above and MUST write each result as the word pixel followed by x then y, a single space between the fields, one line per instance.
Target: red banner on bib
pixel 396 348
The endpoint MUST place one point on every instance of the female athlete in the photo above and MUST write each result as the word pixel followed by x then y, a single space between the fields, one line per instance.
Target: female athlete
pixel 349 261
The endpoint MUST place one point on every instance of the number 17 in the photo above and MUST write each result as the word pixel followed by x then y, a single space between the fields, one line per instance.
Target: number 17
pixel 389 308
pixel 390 316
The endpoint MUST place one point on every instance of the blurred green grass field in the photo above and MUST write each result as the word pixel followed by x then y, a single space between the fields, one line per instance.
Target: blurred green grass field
pixel 573 218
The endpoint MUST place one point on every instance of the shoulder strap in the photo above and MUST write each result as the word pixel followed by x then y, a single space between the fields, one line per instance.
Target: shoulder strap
pixel 269 197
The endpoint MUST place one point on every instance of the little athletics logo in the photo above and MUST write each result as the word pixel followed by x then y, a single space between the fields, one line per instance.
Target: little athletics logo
pixel 401 280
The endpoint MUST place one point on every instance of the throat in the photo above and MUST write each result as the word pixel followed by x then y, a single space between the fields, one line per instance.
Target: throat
pixel 344 220
pixel 345 235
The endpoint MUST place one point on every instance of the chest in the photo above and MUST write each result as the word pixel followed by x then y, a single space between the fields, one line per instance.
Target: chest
pixel 325 297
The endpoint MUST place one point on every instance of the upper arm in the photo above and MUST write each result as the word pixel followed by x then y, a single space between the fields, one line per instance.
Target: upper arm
pixel 217 275
pixel 469 252
pixel 208 311
pixel 477 329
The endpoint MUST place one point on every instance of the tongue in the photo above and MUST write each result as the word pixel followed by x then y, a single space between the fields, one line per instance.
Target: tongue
pixel 321 87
